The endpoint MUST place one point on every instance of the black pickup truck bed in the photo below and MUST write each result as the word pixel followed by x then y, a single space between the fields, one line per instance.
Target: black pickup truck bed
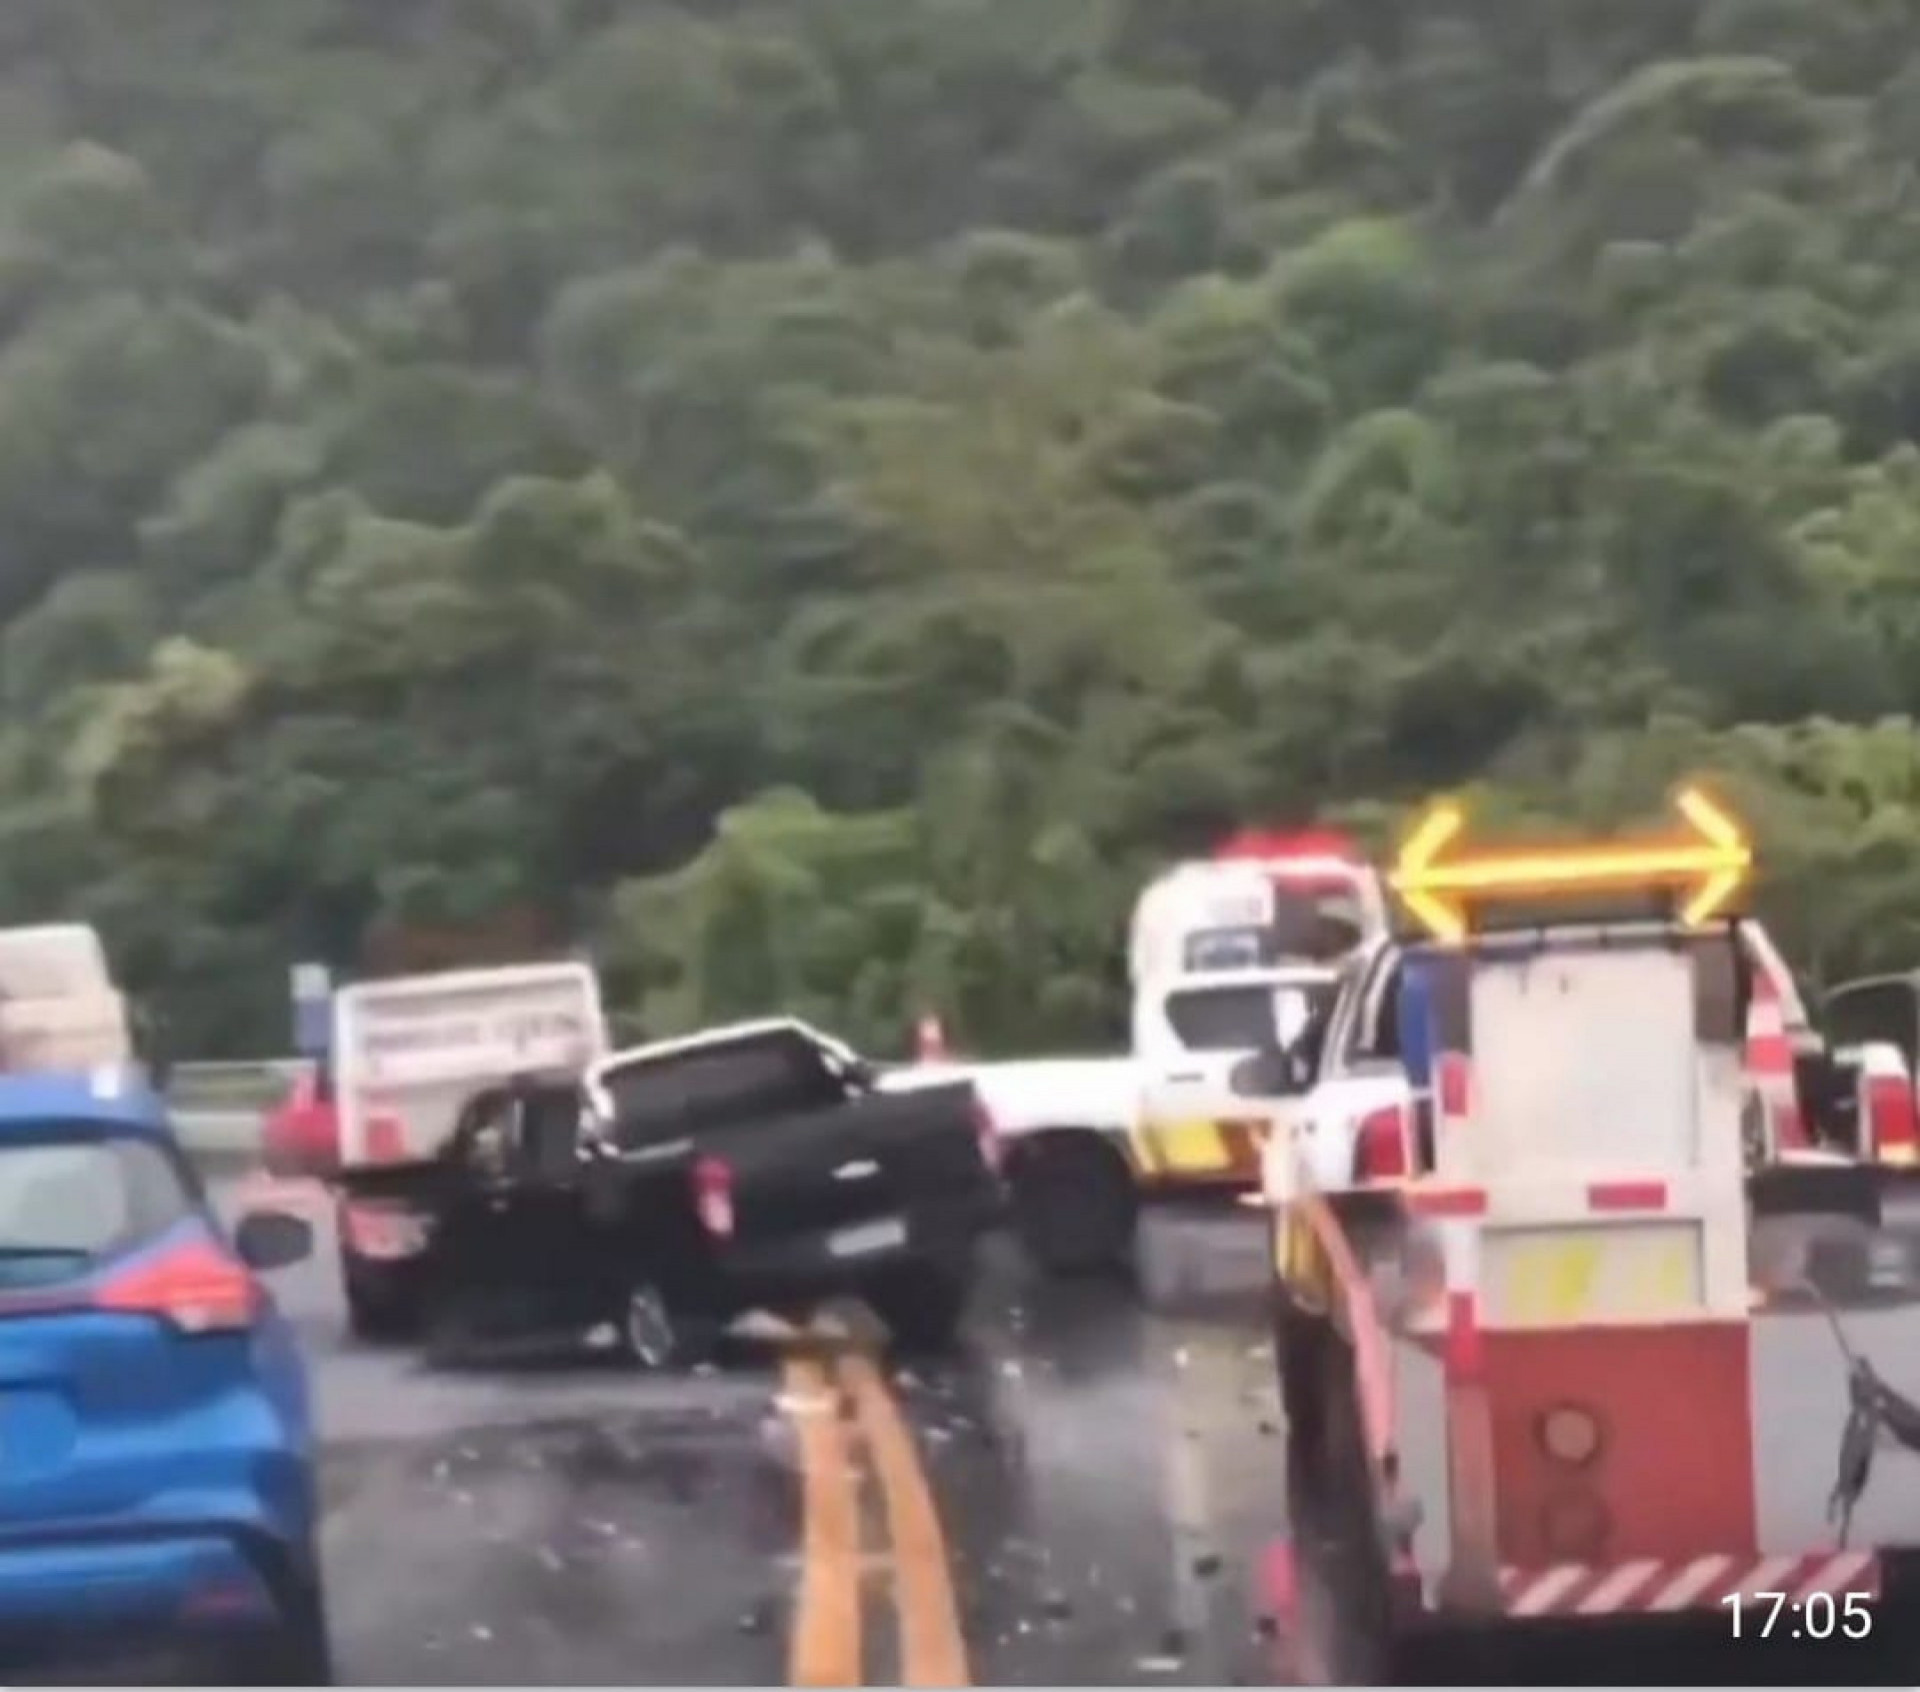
pixel 556 1207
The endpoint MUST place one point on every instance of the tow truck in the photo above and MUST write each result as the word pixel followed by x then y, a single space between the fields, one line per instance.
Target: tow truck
pixel 1597 1355
pixel 1218 950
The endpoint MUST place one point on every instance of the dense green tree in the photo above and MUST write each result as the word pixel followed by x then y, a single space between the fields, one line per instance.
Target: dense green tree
pixel 817 502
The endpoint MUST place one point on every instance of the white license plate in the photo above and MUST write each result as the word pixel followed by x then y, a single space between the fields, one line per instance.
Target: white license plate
pixel 873 1236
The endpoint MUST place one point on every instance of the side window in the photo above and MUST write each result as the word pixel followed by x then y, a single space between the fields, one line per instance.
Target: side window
pixel 549 1130
pixel 778 1074
pixel 485 1135
pixel 1882 1010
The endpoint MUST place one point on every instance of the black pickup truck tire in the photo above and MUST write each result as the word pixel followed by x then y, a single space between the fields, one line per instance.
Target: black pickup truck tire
pixel 922 1304
pixel 379 1311
pixel 1073 1203
pixel 660 1332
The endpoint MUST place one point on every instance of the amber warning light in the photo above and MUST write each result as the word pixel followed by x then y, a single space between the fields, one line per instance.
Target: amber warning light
pixel 1708 860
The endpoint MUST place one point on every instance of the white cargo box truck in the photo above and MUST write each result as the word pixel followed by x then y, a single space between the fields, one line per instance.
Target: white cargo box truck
pixel 59 1007
pixel 407 1054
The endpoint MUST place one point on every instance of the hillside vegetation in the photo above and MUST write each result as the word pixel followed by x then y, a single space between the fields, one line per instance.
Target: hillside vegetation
pixel 814 498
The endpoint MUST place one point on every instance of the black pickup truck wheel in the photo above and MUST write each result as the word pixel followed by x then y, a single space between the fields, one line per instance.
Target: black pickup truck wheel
pixel 922 1305
pixel 662 1331
pixel 378 1310
pixel 1073 1203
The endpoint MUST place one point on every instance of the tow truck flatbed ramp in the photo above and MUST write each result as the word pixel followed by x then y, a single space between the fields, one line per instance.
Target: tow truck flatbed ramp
pixel 1589 1361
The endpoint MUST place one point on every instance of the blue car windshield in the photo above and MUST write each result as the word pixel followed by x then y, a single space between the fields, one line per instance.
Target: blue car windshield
pixel 67 1202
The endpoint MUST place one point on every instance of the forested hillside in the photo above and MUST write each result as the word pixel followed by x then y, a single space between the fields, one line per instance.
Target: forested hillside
pixel 815 497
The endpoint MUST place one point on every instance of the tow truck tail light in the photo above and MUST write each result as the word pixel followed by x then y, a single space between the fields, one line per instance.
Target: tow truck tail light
pixel 987 1131
pixel 196 1286
pixel 713 1196
pixel 1380 1145
pixel 1891 1115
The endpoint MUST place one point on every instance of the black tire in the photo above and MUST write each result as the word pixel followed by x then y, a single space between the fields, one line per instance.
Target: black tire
pixel 377 1314
pixel 449 1329
pixel 661 1331
pixel 1073 1203
pixel 922 1305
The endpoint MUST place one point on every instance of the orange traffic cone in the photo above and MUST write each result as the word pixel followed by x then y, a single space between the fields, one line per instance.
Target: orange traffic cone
pixel 930 1040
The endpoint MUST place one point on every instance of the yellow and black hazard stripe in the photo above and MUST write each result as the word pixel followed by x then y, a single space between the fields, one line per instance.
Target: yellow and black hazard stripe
pixel 1197 1152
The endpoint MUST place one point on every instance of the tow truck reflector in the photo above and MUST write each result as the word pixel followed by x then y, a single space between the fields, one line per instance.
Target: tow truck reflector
pixel 1709 862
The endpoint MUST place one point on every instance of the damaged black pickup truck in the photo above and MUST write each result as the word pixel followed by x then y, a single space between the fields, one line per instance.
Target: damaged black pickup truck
pixel 677 1186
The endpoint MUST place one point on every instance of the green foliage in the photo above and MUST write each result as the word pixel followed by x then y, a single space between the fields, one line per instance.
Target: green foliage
pixel 818 501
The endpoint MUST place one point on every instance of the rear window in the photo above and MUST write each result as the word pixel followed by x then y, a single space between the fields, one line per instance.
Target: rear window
pixel 1881 1011
pixel 66 1203
pixel 665 1097
pixel 1238 1018
pixel 1320 923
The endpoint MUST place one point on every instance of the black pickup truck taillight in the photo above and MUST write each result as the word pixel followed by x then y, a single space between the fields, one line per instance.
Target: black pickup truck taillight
pixel 713 1196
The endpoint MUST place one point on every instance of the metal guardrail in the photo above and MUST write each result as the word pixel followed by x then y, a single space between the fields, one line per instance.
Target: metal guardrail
pixel 217 1107
pixel 255 1084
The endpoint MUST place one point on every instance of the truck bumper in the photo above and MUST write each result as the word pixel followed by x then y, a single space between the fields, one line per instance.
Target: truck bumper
pixel 818 1265
pixel 1588 1471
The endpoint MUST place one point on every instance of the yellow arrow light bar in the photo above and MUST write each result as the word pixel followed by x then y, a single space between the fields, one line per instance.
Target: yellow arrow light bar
pixel 1712 858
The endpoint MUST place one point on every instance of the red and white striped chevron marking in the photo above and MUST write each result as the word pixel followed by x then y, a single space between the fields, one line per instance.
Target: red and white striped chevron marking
pixel 1769 1061
pixel 1649 1585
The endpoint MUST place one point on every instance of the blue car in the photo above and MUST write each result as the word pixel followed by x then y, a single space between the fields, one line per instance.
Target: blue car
pixel 158 1497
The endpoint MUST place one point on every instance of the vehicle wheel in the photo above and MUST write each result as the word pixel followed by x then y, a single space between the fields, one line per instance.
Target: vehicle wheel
pixel 656 1333
pixel 922 1305
pixel 379 1317
pixel 449 1327
pixel 298 1654
pixel 1073 1204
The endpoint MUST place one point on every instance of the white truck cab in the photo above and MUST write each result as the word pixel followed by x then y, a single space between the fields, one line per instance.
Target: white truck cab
pixel 1226 956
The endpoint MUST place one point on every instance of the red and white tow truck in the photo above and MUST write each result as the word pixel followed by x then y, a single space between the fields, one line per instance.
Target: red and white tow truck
pixel 1599 1354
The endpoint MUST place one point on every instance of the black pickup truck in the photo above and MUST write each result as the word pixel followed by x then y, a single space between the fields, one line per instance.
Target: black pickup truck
pixel 678 1185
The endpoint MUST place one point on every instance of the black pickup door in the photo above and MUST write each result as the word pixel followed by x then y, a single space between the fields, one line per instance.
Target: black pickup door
pixel 828 1178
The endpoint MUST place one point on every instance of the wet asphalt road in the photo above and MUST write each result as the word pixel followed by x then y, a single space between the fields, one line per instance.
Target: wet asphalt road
pixel 1100 1464
pixel 1086 1494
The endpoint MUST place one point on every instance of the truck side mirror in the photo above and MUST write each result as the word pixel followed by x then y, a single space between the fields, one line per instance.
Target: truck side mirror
pixel 272 1239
